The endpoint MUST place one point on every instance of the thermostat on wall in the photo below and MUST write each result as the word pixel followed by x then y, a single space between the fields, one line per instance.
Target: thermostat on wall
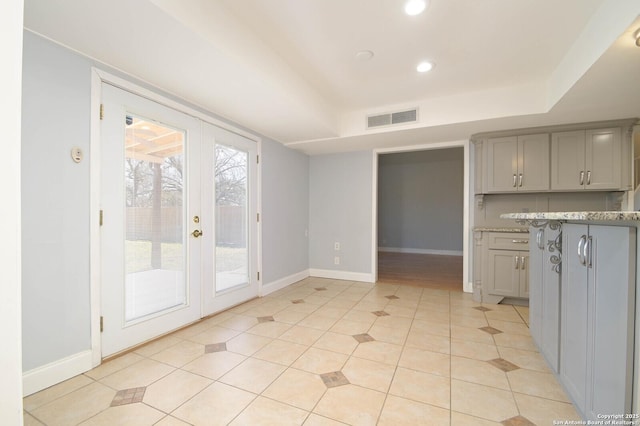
pixel 76 154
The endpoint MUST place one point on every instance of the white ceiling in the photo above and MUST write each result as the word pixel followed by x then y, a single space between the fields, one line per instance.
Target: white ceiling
pixel 287 68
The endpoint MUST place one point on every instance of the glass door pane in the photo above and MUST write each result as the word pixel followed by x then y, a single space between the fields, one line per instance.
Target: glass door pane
pixel 154 215
pixel 231 214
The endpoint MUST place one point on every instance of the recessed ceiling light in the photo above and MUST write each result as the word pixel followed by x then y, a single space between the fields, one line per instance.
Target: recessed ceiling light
pixel 415 7
pixel 424 66
pixel 364 55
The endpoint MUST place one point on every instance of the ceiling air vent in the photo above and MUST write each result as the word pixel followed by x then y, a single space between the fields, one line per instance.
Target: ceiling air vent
pixel 389 119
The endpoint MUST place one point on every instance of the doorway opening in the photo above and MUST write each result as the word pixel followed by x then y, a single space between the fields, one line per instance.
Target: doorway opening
pixel 421 218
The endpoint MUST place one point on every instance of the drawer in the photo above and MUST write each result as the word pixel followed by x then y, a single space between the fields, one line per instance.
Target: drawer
pixel 509 241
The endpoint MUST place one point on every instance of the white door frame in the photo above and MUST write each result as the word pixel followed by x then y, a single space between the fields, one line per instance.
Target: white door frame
pixel 467 284
pixel 98 77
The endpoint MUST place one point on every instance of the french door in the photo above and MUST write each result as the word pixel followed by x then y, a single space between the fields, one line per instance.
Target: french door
pixel 229 195
pixel 176 239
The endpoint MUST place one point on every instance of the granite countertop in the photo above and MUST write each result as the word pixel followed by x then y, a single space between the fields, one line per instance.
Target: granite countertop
pixel 499 229
pixel 591 216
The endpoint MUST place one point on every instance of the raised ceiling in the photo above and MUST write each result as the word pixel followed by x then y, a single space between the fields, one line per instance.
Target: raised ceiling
pixel 287 68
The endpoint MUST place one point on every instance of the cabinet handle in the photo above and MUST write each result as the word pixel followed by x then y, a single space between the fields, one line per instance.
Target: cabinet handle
pixel 539 236
pixel 517 262
pixel 581 243
pixel 515 180
pixel 588 252
pixel 523 263
pixel 581 178
pixel 520 241
pixel 520 179
pixel 588 177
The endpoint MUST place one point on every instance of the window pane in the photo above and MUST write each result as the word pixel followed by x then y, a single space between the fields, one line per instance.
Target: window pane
pixel 231 217
pixel 154 241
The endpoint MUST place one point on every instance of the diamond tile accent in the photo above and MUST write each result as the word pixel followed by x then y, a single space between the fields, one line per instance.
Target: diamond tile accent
pixel 503 364
pixel 295 302
pixel 380 313
pixel 320 288
pixel 334 379
pixel 128 396
pixel 482 308
pixel 363 338
pixel 265 319
pixel 392 297
pixel 517 421
pixel 490 330
pixel 215 347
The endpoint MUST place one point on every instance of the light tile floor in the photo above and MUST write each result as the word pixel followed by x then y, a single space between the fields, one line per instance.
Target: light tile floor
pixel 325 352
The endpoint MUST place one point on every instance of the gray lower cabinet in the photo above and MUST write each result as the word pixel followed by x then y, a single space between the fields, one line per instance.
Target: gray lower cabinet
pixel 506 265
pixel 544 292
pixel 597 311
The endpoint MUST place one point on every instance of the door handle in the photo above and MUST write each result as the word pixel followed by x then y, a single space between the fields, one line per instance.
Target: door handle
pixel 520 179
pixel 197 233
pixel 581 178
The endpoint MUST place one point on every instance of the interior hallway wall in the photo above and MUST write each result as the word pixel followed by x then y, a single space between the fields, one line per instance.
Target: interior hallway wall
pixel 420 201
pixel 340 210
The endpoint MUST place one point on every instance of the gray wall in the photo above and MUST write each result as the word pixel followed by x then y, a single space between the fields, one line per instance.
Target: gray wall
pixel 420 200
pixel 285 211
pixel 55 203
pixel 340 211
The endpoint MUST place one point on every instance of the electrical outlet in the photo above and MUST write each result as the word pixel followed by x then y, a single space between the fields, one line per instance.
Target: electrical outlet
pixel 336 260
pixel 336 246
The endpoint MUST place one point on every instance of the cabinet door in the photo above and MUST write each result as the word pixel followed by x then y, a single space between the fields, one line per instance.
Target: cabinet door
pixel 568 161
pixel 573 353
pixel 502 162
pixel 535 283
pixel 550 329
pixel 603 159
pixel 504 276
pixel 524 274
pixel 533 162
pixel 611 266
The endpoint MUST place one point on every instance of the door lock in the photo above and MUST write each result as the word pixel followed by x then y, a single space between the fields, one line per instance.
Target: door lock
pixel 197 233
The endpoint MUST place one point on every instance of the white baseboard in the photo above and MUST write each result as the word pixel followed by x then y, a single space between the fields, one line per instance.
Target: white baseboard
pixel 58 371
pixel 342 275
pixel 283 282
pixel 421 251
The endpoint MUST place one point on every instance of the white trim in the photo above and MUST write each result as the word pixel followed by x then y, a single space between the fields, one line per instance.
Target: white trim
pixel 276 285
pixel 466 283
pixel 341 275
pixel 42 377
pixel 95 257
pixel 421 251
pixel 123 84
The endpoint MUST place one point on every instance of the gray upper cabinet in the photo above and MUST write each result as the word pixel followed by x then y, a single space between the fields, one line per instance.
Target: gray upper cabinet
pixel 517 163
pixel 586 160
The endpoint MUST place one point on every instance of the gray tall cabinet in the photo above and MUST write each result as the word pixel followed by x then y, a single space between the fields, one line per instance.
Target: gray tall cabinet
pixel 598 295
pixel 544 290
